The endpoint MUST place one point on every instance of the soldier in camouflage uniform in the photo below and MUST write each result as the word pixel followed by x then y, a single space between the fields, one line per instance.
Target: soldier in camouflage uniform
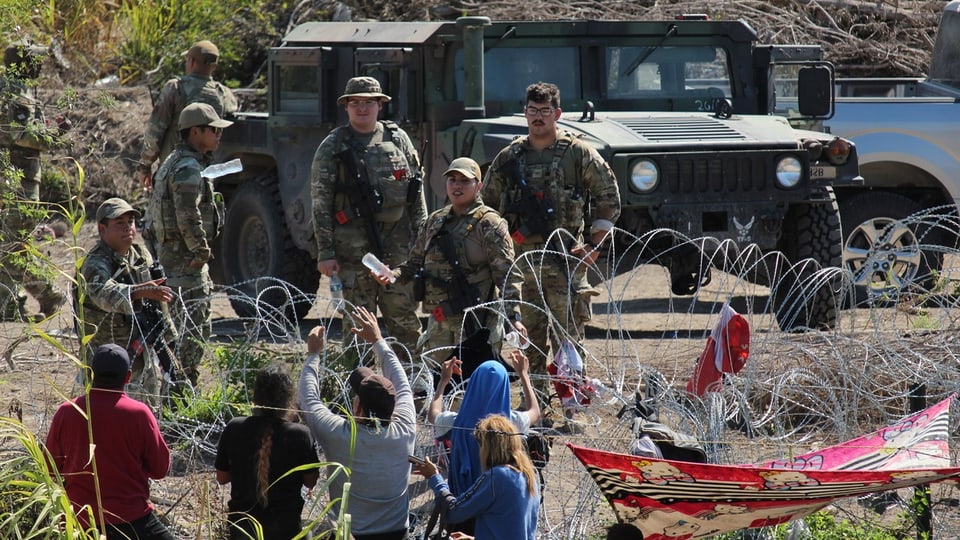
pixel 549 184
pixel 478 240
pixel 111 286
pixel 368 197
pixel 184 216
pixel 23 134
pixel 197 85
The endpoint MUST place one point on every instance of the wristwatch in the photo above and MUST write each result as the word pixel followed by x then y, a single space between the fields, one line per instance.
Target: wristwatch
pixel 515 316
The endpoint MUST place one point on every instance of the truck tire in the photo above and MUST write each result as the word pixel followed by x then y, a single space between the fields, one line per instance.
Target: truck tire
pixel 881 251
pixel 810 231
pixel 269 273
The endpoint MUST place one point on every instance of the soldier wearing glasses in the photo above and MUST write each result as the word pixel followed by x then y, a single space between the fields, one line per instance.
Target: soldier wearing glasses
pixel 184 217
pixel 367 196
pixel 558 194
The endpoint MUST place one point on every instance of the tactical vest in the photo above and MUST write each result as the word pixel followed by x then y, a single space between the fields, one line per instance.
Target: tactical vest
pixel 192 90
pixel 110 326
pixel 438 270
pixel 565 195
pixel 388 164
pixel 22 123
pixel 161 216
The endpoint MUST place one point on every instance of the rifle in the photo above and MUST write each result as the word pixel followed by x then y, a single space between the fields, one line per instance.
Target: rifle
pixel 535 213
pixel 463 294
pixel 365 198
pixel 152 324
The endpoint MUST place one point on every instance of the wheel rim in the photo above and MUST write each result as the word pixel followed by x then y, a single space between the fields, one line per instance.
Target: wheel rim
pixel 253 249
pixel 883 254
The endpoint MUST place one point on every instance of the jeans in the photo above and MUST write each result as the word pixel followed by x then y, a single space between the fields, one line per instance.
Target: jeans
pixel 148 527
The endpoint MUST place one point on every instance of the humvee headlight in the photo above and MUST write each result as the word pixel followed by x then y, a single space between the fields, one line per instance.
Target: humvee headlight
pixel 789 171
pixel 644 176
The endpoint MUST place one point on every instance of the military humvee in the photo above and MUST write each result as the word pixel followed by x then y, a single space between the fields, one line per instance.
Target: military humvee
pixel 680 109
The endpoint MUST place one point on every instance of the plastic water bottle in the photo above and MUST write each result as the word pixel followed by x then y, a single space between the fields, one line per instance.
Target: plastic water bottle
pixel 377 267
pixel 222 169
pixel 515 340
pixel 336 291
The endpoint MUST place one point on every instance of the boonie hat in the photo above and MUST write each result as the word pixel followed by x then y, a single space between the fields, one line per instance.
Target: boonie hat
pixel 110 364
pixel 205 51
pixel 360 87
pixel 377 394
pixel 466 167
pixel 201 114
pixel 115 207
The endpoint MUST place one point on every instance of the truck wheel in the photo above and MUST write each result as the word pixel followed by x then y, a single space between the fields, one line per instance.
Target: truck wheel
pixel 881 251
pixel 260 259
pixel 810 231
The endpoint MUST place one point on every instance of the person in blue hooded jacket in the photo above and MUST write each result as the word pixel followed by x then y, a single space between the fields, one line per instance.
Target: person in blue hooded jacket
pixel 487 393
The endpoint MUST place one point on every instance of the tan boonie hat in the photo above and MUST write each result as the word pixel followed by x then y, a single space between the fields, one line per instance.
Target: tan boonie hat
pixel 201 114
pixel 205 51
pixel 363 87
pixel 115 207
pixel 466 167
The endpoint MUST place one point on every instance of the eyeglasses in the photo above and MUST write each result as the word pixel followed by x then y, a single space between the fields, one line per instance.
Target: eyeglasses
pixel 362 104
pixel 538 111
pixel 460 181
pixel 215 130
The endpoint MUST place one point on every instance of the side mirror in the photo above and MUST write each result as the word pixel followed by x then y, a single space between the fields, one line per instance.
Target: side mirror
pixel 815 91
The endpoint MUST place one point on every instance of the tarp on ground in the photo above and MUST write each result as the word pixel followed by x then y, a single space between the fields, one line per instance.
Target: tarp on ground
pixel 680 500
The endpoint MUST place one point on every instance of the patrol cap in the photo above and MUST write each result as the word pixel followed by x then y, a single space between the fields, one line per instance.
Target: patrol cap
pixel 204 51
pixel 466 167
pixel 115 207
pixel 110 364
pixel 201 114
pixel 377 394
pixel 363 87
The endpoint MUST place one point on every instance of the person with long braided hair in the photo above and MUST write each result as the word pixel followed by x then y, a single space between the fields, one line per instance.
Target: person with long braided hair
pixel 253 454
pixel 505 499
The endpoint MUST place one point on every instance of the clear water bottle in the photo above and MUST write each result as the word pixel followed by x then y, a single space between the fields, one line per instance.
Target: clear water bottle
pixel 222 169
pixel 517 341
pixel 336 291
pixel 377 267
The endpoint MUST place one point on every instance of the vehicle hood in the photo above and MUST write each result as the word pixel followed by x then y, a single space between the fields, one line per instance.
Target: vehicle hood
pixel 620 132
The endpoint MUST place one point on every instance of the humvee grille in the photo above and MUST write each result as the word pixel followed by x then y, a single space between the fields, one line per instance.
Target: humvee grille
pixel 682 129
pixel 699 174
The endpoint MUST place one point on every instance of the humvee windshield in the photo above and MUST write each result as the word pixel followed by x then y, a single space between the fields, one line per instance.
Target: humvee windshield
pixel 689 77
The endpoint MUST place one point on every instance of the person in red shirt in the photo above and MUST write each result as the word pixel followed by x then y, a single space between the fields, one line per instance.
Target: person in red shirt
pixel 128 450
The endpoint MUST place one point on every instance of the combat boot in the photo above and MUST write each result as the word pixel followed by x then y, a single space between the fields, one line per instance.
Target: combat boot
pixel 51 303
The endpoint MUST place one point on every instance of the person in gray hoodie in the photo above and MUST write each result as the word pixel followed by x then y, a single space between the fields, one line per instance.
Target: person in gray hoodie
pixel 385 418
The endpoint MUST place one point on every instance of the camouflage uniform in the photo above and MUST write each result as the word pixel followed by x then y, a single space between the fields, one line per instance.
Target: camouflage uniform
pixel 484 251
pixel 105 311
pixel 571 177
pixel 24 134
pixel 184 216
pixel 390 161
pixel 162 134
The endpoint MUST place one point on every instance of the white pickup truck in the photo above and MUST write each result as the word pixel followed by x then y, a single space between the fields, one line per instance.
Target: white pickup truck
pixel 906 132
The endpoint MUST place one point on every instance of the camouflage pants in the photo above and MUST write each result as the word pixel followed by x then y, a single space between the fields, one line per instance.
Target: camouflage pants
pixel 191 312
pixel 17 269
pixel 440 338
pixel 560 310
pixel 395 303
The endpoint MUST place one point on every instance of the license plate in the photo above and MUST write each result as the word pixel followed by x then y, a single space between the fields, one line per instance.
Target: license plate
pixel 822 172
